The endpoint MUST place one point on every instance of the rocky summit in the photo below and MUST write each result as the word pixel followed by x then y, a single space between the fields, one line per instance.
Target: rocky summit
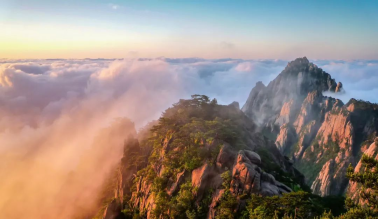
pixel 320 134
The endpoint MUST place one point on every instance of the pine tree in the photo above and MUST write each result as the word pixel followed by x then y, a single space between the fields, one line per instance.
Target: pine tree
pixel 368 178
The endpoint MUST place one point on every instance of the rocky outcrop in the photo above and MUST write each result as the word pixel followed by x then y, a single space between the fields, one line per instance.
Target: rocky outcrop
pixel 338 143
pixel 339 87
pixel 247 177
pixel 320 134
pixel 324 179
pixel 179 180
pixel 226 156
pixel 127 168
pixel 215 202
pixel 286 138
pixel 143 199
pixel 205 177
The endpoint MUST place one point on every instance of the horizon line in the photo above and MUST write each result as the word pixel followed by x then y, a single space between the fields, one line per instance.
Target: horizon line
pixel 177 58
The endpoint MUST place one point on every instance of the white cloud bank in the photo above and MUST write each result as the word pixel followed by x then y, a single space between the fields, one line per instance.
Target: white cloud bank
pixel 53 112
pixel 359 78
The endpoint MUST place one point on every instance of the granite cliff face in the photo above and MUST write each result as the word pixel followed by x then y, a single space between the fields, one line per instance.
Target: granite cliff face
pixel 286 93
pixel 320 134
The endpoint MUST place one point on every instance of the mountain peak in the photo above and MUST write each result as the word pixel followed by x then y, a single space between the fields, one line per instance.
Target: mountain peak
pixel 299 78
pixel 303 60
pixel 299 62
pixel 259 85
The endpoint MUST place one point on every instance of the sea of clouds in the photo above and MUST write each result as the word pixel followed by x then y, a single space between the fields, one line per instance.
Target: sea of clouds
pixel 52 110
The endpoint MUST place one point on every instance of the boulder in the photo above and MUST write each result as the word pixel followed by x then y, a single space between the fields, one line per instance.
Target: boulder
pixel 253 157
pixel 205 177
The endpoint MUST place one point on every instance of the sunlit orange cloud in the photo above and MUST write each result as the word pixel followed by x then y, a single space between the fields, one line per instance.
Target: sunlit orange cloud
pixel 61 133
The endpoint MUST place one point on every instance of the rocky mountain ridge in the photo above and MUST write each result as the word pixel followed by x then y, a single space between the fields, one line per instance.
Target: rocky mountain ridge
pixel 204 160
pixel 322 135
pixel 199 154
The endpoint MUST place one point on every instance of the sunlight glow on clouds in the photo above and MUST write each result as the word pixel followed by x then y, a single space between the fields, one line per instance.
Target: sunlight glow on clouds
pixel 53 111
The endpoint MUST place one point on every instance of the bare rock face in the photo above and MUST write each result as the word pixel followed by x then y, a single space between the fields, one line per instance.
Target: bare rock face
pixel 339 87
pixel 337 128
pixel 205 177
pixel 320 134
pixel 286 113
pixel 215 202
pixel 292 85
pixel 143 198
pixel 340 138
pixel 125 171
pixel 286 138
pixel 310 110
pixel 179 180
pixel 324 179
pixel 226 157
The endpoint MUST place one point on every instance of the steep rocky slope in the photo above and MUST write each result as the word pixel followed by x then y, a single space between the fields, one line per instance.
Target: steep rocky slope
pixel 198 156
pixel 320 134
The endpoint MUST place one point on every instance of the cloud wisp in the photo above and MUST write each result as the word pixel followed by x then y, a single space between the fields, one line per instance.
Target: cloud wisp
pixel 114 6
pixel 359 78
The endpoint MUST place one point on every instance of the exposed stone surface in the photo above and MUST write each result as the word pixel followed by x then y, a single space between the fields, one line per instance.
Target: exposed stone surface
pixel 320 134
pixel 324 179
pixel 226 156
pixel 143 199
pixel 286 138
pixel 286 113
pixel 253 157
pixel 179 180
pixel 247 177
pixel 339 87
pixel 205 177
pixel 292 85
pixel 215 202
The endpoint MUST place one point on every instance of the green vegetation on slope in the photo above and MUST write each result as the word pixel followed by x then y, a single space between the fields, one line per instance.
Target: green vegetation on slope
pixel 189 135
pixel 316 156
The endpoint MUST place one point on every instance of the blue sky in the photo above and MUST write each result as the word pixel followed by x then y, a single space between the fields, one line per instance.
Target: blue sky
pixel 181 28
